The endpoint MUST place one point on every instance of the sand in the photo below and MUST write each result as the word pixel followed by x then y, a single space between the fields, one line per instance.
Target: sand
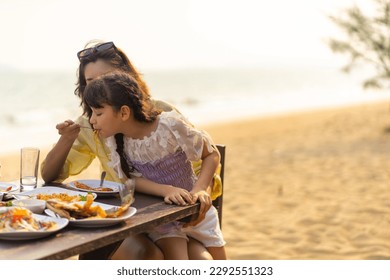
pixel 310 185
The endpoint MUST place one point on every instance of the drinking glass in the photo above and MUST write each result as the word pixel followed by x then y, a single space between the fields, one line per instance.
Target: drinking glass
pixel 29 161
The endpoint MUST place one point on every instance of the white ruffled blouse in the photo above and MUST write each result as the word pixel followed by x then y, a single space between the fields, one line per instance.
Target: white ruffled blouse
pixel 173 133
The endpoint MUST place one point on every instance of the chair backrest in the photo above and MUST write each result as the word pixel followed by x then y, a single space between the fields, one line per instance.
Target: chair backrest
pixel 219 200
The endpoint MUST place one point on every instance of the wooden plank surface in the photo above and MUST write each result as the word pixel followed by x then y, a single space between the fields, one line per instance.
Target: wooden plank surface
pixel 70 241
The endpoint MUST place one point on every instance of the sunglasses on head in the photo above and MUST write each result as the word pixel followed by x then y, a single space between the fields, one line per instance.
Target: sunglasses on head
pixel 95 50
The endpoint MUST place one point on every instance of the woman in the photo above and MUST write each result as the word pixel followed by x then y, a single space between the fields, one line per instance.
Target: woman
pixel 78 146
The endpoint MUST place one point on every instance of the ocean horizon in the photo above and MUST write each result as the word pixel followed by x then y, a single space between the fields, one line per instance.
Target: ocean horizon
pixel 34 102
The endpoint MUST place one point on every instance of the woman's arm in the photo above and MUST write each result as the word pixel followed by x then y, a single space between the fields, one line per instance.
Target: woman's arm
pixel 210 161
pixel 201 190
pixel 56 158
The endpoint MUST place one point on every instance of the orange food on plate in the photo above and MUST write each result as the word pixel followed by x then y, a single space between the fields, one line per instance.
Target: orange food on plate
pixel 22 219
pixel 88 210
pixel 86 187
pixel 7 189
pixel 58 196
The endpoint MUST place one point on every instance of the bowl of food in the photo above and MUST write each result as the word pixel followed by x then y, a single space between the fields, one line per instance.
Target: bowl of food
pixel 34 205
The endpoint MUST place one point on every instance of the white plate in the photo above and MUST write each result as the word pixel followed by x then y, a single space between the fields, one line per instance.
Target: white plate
pixel 96 184
pixel 26 235
pixel 34 205
pixel 4 186
pixel 99 222
pixel 48 190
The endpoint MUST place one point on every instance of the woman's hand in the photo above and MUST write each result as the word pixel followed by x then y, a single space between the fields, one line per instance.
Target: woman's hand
pixel 205 203
pixel 56 158
pixel 204 199
pixel 68 129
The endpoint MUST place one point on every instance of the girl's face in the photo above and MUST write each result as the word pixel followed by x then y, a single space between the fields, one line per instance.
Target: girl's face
pixel 95 69
pixel 106 121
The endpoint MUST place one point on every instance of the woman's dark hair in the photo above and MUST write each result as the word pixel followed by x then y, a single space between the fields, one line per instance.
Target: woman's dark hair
pixel 118 60
pixel 119 89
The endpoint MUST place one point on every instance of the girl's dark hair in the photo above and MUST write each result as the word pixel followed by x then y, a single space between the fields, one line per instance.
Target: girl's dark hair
pixel 118 60
pixel 119 89
pixel 126 165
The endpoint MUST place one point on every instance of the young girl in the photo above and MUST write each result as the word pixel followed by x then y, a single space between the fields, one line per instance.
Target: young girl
pixel 148 144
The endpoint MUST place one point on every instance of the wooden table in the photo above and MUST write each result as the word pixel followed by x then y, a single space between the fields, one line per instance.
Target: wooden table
pixel 97 243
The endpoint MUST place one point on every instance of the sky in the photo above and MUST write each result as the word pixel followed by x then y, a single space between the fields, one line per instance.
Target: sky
pixel 169 34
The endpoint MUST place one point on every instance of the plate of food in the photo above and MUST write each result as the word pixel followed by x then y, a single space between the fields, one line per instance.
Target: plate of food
pixel 89 213
pixel 7 187
pixel 21 224
pixel 48 192
pixel 108 188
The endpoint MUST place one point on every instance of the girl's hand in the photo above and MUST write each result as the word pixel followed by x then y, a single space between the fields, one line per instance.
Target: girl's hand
pixel 178 196
pixel 68 129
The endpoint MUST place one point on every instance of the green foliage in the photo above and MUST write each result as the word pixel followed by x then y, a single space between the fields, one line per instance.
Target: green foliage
pixel 368 41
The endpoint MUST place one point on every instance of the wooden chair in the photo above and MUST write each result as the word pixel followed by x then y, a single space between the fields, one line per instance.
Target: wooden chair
pixel 219 200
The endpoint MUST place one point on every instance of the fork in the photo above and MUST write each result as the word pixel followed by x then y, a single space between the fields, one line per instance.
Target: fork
pixel 102 178
pixel 82 126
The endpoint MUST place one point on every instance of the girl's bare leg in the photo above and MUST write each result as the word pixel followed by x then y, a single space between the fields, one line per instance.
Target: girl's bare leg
pixel 196 251
pixel 173 248
pixel 218 253
pixel 138 247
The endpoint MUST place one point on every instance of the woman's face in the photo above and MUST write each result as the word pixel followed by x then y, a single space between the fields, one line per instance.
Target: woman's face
pixel 95 69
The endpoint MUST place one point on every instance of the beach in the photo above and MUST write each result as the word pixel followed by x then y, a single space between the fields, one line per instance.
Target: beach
pixel 310 185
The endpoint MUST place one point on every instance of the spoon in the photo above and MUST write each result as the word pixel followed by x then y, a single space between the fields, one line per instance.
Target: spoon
pixel 102 178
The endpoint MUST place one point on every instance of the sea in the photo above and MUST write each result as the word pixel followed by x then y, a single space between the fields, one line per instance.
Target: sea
pixel 32 103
